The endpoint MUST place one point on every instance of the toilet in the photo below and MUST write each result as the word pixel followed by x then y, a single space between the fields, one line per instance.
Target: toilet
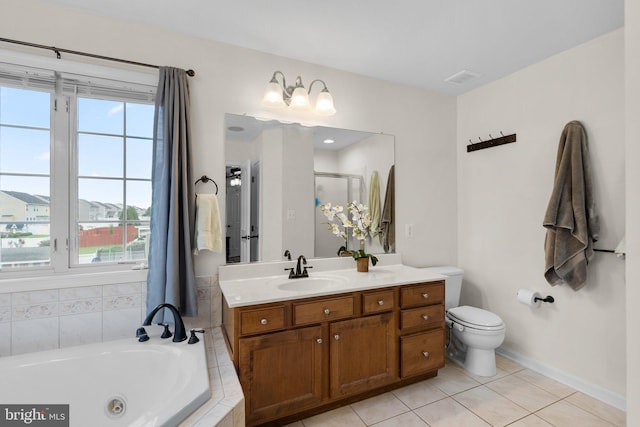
pixel 474 333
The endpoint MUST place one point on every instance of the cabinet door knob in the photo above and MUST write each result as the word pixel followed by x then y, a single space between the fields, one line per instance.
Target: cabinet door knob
pixel 425 353
pixel 425 295
pixel 327 311
pixel 319 340
pixel 336 337
pixel 380 302
pixel 264 322
pixel 425 317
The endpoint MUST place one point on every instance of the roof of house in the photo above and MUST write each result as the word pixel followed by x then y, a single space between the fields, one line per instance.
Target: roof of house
pixel 27 198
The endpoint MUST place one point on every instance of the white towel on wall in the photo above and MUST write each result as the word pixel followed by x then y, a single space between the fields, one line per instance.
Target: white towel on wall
pixel 208 229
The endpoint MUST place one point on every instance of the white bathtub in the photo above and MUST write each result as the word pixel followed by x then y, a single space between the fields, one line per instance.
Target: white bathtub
pixel 159 382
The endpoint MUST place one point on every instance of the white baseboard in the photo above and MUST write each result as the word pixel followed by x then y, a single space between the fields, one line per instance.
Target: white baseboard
pixel 600 393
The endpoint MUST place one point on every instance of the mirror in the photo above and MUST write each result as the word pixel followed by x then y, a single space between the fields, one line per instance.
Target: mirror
pixel 278 174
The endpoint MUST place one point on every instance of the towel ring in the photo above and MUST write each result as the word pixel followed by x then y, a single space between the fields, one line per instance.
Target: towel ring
pixel 205 179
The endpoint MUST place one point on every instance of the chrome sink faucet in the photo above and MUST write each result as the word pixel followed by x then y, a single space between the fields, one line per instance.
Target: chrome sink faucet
pixel 180 332
pixel 300 269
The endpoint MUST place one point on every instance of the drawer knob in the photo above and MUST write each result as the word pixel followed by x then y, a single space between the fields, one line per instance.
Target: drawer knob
pixel 327 311
pixel 336 337
pixel 319 340
pixel 380 302
pixel 264 321
pixel 425 295
pixel 425 317
pixel 425 353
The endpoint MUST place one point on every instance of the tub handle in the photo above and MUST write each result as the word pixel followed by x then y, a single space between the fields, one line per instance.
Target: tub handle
pixel 193 338
pixel 166 333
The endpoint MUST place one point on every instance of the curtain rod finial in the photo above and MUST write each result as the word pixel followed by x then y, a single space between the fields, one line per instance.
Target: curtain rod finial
pixel 191 73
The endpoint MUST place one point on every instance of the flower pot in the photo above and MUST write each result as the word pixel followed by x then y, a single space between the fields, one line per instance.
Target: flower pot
pixel 362 264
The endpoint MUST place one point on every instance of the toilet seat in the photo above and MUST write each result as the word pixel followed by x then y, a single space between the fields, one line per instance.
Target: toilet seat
pixel 476 318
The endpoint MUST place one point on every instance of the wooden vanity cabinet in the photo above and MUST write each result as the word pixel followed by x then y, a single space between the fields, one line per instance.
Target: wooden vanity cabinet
pixel 300 356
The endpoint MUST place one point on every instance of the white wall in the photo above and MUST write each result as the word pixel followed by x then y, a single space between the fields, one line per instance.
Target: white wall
pixel 632 90
pixel 231 79
pixel 502 196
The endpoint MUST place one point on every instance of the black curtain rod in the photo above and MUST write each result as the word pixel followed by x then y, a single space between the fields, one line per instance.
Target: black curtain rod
pixel 57 50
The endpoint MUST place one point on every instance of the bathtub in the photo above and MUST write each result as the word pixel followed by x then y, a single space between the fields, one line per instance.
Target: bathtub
pixel 115 383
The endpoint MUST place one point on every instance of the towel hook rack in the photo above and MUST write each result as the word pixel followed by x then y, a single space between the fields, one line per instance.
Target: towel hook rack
pixel 491 142
pixel 205 179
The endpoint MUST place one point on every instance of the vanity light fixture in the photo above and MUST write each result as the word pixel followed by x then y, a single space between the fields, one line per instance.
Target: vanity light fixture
pixel 297 97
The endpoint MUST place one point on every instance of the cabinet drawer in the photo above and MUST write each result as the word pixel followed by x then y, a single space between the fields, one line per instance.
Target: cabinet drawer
pixel 323 310
pixel 262 320
pixel 377 302
pixel 423 294
pixel 421 353
pixel 427 317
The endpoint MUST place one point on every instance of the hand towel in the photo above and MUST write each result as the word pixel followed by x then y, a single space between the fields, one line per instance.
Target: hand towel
pixel 570 219
pixel 208 235
pixel 374 204
pixel 387 225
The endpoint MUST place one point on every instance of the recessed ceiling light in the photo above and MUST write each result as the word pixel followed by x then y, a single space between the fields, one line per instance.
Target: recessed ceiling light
pixel 328 141
pixel 235 128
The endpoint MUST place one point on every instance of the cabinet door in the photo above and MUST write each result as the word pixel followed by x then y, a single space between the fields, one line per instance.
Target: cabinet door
pixel 281 373
pixel 362 354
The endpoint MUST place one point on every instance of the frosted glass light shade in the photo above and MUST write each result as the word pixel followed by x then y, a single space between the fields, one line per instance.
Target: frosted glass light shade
pixel 273 96
pixel 299 99
pixel 324 104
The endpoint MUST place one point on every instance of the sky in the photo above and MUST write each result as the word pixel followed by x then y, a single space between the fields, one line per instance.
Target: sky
pixel 103 127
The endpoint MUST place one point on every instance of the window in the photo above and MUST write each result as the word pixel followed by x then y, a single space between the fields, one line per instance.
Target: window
pixel 75 170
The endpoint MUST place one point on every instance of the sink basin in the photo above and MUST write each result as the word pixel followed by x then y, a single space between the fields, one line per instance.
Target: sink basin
pixel 311 283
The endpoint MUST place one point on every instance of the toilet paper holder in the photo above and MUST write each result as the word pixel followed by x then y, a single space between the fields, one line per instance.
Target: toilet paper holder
pixel 548 299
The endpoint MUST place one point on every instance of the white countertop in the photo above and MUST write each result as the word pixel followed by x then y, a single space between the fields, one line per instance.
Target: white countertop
pixel 272 288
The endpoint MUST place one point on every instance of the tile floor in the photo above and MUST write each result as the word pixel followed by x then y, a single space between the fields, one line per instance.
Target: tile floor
pixel 516 397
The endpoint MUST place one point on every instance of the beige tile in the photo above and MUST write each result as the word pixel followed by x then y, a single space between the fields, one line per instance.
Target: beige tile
pixel 379 408
pixel 419 394
pixel 490 406
pixel 408 419
pixel 296 424
pixel 452 380
pixel 341 417
pixel 552 386
pixel 565 414
pixel 508 364
pixel 449 413
pixel 531 421
pixel 523 393
pixel 599 408
pixel 500 373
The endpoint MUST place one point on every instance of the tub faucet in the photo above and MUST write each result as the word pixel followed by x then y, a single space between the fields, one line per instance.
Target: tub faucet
pixel 180 332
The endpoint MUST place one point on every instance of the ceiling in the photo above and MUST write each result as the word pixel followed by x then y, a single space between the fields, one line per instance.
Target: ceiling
pixel 414 42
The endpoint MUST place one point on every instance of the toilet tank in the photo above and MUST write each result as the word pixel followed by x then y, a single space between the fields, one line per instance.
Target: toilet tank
pixel 452 286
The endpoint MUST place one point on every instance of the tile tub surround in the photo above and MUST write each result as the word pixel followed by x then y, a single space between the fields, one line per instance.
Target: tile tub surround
pixel 225 408
pixel 55 318
pixel 515 396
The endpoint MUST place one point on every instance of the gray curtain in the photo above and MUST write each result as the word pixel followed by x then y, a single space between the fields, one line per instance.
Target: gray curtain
pixel 171 278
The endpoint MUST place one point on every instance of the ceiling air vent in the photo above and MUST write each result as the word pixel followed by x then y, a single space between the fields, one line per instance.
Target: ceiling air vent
pixel 462 77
